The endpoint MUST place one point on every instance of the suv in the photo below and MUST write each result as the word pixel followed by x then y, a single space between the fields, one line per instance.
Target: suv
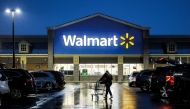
pixel 158 80
pixel 4 87
pixel 132 78
pixel 173 79
pixel 143 79
pixel 44 80
pixel 20 83
pixel 58 76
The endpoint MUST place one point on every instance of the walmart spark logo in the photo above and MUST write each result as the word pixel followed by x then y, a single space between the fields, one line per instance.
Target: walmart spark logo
pixel 127 40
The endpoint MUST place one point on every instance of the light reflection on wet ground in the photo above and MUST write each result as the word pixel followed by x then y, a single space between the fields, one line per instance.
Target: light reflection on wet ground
pixel 78 96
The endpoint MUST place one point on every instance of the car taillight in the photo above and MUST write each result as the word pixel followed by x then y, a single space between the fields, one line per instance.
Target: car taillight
pixel 29 80
pixel 153 77
pixel 170 79
pixel 63 78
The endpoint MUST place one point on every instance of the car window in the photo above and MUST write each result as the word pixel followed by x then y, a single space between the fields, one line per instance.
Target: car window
pixel 11 74
pixel 183 70
pixel 134 74
pixel 37 75
pixel 50 74
pixel 3 78
pixel 147 72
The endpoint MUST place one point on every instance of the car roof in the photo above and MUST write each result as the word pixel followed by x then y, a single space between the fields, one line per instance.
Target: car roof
pixel 21 71
pixel 42 72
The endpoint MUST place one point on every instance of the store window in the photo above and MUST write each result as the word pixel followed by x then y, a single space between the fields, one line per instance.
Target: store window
pixel 66 69
pixel 129 68
pixel 97 69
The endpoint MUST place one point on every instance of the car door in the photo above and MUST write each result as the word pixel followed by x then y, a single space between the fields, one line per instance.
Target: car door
pixel 14 79
pixel 4 87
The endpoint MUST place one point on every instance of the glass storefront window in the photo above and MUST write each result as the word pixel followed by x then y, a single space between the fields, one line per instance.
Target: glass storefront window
pixel 129 68
pixel 66 69
pixel 98 69
pixel 87 69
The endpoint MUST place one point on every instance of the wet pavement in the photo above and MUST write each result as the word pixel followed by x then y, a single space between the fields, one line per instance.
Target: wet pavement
pixel 78 96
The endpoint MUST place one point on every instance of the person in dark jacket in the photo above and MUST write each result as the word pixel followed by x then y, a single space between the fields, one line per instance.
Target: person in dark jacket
pixel 107 80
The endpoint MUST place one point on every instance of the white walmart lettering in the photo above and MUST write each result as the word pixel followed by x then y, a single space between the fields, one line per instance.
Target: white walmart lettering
pixel 78 41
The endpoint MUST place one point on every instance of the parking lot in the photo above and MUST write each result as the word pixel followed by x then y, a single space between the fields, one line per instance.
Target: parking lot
pixel 78 95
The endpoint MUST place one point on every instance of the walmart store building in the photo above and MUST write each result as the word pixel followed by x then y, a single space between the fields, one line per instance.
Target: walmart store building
pixel 96 43
pixel 85 48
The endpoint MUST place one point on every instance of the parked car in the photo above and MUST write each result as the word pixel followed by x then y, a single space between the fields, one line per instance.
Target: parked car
pixel 181 89
pixel 158 80
pixel 4 87
pixel 143 79
pixel 132 78
pixel 44 80
pixel 20 83
pixel 60 79
pixel 174 85
pixel 33 79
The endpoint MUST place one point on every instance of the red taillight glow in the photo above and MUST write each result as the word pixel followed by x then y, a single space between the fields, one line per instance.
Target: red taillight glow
pixel 170 79
pixel 63 78
pixel 153 76
pixel 29 80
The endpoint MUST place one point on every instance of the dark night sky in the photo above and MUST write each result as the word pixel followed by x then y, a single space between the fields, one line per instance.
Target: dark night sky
pixel 165 17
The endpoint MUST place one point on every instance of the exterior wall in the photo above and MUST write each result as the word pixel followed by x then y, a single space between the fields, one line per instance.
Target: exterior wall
pixel 34 67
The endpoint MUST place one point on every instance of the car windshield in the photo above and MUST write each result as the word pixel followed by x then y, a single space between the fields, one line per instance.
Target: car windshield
pixel 134 74
pixel 147 72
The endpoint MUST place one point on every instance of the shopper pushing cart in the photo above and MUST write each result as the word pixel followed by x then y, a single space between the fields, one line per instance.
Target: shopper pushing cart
pixel 99 86
pixel 107 80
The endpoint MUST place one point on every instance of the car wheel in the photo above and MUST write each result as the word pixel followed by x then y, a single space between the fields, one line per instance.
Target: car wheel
pixel 48 86
pixel 163 92
pixel 144 87
pixel 16 93
pixel 130 84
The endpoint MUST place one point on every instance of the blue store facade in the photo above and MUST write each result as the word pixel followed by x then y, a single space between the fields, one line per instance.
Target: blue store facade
pixel 91 45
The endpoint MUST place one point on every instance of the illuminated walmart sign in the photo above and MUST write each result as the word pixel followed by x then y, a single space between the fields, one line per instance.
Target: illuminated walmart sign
pixel 127 41
pixel 78 41
pixel 89 41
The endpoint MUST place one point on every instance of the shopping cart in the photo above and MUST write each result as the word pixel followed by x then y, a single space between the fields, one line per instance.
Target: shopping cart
pixel 98 89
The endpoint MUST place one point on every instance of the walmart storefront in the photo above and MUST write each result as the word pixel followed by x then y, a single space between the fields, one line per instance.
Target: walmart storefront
pixel 85 48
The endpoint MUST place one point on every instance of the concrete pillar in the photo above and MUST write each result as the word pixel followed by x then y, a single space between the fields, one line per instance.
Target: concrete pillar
pixel 146 47
pixel 120 68
pixel 50 48
pixel 76 68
